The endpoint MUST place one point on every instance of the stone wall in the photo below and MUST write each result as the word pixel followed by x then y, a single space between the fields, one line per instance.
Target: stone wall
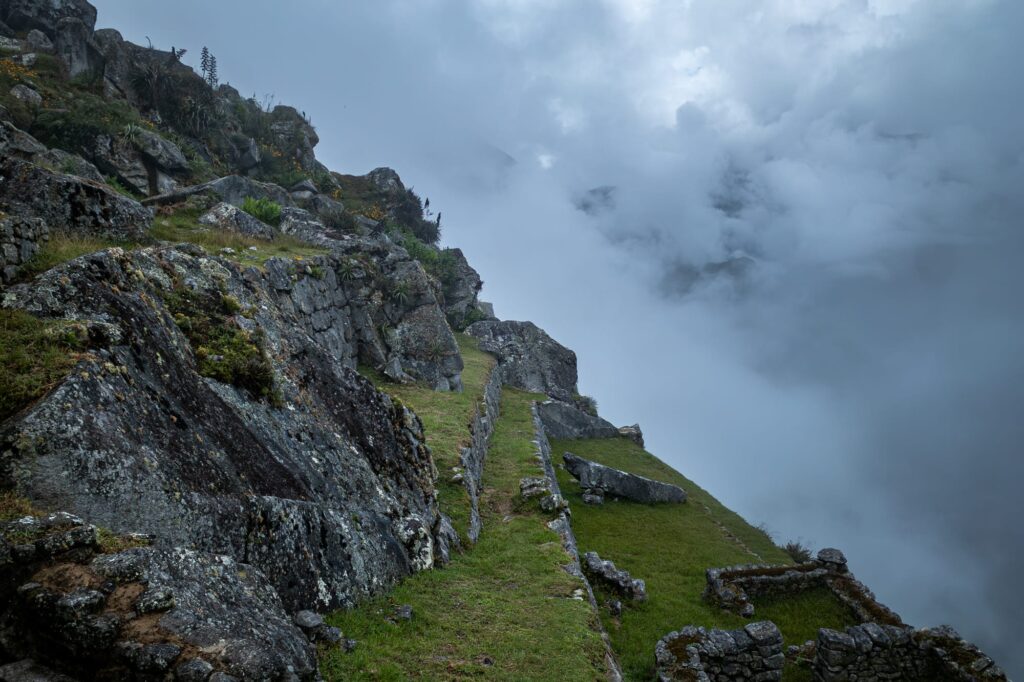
pixel 20 240
pixel 561 525
pixel 885 652
pixel 473 457
pixel 733 587
pixel 694 654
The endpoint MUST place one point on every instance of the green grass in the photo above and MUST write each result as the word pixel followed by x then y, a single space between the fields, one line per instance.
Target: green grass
pixel 183 226
pixel 35 356
pixel 446 419
pixel 670 547
pixel 63 247
pixel 501 611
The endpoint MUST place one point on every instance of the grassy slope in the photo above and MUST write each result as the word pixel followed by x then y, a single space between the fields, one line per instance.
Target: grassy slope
pixel 446 418
pixel 502 610
pixel 670 547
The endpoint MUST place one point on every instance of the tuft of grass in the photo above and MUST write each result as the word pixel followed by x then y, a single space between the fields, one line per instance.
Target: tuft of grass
pixel 503 611
pixel 14 506
pixel 446 419
pixel 112 543
pixel 671 547
pixel 63 247
pixel 797 551
pixel 183 226
pixel 35 356
pixel 263 209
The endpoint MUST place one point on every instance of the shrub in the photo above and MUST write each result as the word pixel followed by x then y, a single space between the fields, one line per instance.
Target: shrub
pixel 587 404
pixel 84 118
pixel 800 553
pixel 263 209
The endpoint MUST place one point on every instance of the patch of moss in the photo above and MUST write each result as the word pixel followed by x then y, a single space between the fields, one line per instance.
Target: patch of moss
pixel 223 350
pixel 35 356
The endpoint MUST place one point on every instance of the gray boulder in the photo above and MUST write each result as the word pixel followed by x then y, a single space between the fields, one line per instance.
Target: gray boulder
pixel 619 581
pixel 60 161
pixel 161 151
pixel 233 219
pixel 25 15
pixel 69 203
pixel 27 95
pixel 633 433
pixel 565 420
pixel 38 41
pixel 248 156
pixel 74 45
pixel 529 358
pixel 594 476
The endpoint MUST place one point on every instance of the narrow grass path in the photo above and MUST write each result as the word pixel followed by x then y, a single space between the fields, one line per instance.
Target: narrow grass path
pixel 502 611
pixel 446 420
pixel 670 547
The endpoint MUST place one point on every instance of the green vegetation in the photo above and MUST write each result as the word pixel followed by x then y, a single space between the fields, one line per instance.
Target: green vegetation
pixel 183 226
pixel 446 418
pixel 224 351
pixel 63 247
pixel 503 611
pixel 112 543
pixel 263 209
pixel 35 356
pixel 14 506
pixel 670 547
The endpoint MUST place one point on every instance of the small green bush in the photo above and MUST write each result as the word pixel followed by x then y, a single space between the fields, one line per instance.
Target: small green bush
pixel 799 552
pixel 263 209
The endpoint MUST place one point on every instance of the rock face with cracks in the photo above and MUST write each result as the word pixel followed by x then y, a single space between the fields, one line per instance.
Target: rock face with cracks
pixel 135 439
pixel 528 358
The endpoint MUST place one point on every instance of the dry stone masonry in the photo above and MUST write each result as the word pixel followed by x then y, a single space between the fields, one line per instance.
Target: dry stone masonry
pixel 693 654
pixel 474 456
pixel 603 572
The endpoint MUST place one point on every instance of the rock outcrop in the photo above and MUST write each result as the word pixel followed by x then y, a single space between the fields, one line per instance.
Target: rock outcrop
pixel 565 420
pixel 224 216
pixel 232 189
pixel 141 613
pixel 597 477
pixel 137 440
pixel 69 203
pixel 529 359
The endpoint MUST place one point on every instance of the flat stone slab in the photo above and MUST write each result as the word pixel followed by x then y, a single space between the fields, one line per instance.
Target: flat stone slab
pixel 593 476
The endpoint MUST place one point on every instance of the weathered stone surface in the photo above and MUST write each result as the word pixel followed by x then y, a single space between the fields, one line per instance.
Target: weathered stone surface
pixel 834 558
pixel 461 290
pixel 529 358
pixel 605 573
pixel 25 15
pixel 694 654
pixel 233 219
pixel 38 41
pixel 27 95
pixel 633 433
pixel 29 671
pixel 233 189
pixel 69 203
pixel 20 240
pixel 565 420
pixel 73 43
pixel 592 476
pixel 141 443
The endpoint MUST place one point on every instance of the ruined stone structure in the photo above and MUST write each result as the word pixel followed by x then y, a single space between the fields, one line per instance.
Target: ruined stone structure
pixel 695 654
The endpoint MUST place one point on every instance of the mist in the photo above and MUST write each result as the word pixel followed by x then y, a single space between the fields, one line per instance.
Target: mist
pixel 800 269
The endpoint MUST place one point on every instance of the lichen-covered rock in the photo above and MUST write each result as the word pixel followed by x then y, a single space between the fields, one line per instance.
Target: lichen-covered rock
pixel 633 433
pixel 594 476
pixel 695 654
pixel 26 15
pixel 69 203
pixel 20 240
pixel 529 358
pixel 566 421
pixel 233 219
pixel 138 441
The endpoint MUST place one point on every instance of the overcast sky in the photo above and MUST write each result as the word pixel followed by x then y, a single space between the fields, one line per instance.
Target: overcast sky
pixel 802 272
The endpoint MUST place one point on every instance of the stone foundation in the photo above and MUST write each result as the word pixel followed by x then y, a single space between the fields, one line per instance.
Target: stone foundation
pixel 885 652
pixel 753 653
